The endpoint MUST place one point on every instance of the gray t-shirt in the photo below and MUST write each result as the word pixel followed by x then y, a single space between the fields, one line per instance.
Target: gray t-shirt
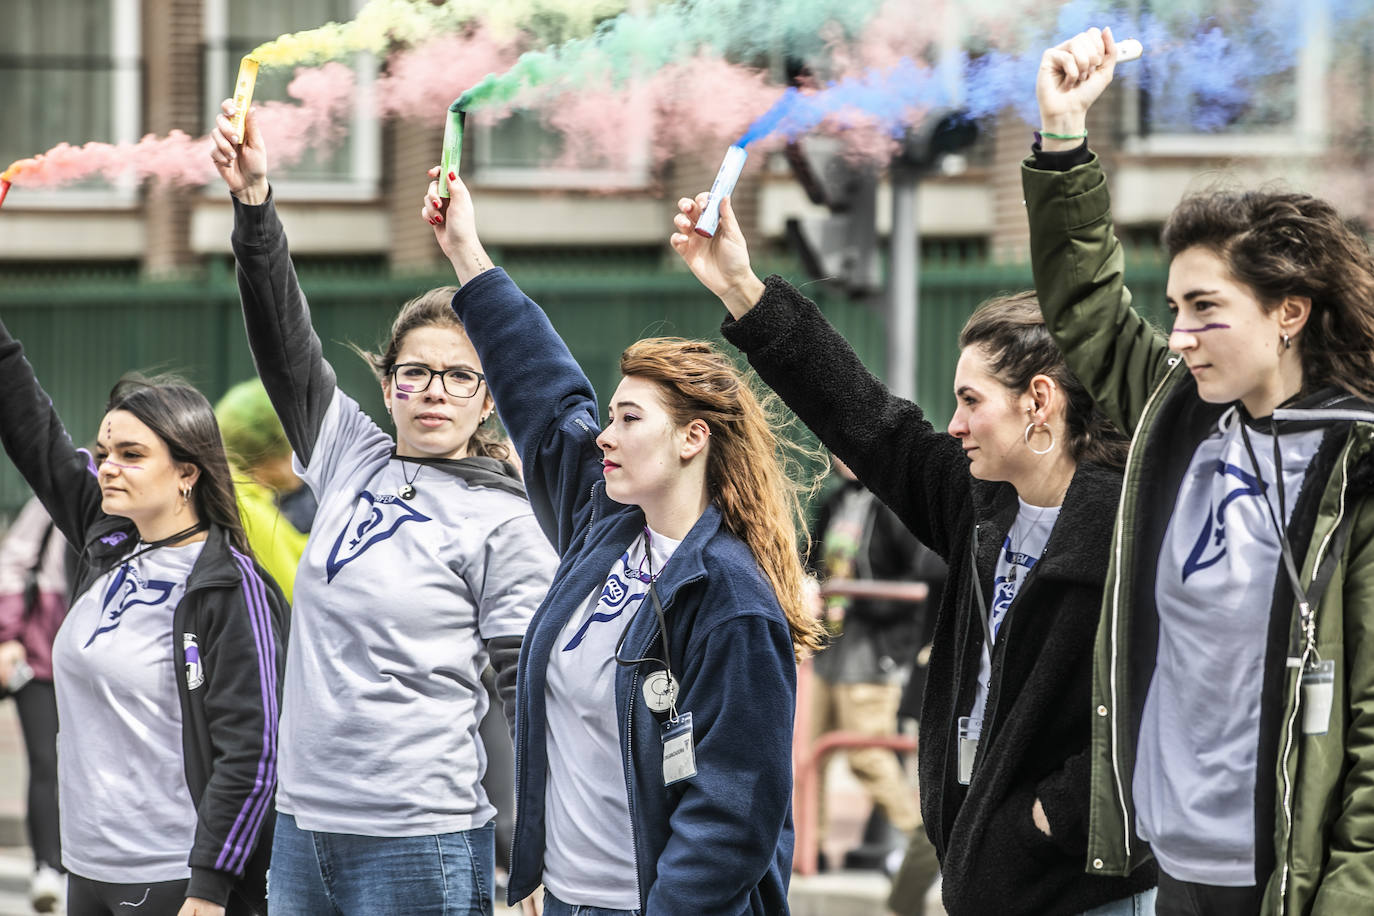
pixel 393 600
pixel 1194 783
pixel 589 856
pixel 126 814
pixel 1021 550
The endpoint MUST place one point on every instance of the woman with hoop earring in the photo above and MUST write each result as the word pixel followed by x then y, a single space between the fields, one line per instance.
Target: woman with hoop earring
pixel 1017 499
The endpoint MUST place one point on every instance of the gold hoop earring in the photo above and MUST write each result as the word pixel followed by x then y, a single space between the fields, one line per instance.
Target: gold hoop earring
pixel 1030 428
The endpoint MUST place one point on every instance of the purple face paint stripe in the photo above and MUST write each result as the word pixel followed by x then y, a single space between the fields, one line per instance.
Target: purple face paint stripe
pixel 260 800
pixel 1216 326
pixel 242 836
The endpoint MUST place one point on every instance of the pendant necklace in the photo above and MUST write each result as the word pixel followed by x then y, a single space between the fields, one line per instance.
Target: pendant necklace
pixel 408 491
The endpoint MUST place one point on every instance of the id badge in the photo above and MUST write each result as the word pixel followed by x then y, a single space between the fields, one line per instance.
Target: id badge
pixel 970 730
pixel 1317 686
pixel 679 752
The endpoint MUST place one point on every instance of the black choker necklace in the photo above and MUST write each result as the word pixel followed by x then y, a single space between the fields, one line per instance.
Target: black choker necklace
pixel 171 539
pixel 408 491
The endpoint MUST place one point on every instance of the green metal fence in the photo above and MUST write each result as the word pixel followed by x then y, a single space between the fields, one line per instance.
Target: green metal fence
pixel 83 331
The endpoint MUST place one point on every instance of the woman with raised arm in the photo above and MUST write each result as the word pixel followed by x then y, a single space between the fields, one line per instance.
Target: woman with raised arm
pixel 1234 686
pixel 1017 499
pixel 167 665
pixel 423 565
pixel 658 683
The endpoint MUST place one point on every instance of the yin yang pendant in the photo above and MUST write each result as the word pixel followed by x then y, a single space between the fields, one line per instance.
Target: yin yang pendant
pixel 407 492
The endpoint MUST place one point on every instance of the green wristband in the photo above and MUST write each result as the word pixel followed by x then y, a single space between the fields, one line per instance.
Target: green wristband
pixel 1049 136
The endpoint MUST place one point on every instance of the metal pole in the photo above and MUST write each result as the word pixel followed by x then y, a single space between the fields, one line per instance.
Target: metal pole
pixel 903 279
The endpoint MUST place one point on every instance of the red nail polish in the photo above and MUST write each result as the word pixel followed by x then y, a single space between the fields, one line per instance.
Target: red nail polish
pixel 452 176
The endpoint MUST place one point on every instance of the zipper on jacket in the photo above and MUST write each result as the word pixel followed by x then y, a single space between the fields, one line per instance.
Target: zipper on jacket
pixel 591 520
pixel 630 738
pixel 629 772
pixel 1116 619
pixel 1297 705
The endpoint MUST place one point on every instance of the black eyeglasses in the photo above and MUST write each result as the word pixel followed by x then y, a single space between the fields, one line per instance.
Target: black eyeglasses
pixel 414 378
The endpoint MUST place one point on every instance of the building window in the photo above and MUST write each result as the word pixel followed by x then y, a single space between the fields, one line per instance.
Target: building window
pixel 521 151
pixel 72 74
pixel 235 27
pixel 1282 111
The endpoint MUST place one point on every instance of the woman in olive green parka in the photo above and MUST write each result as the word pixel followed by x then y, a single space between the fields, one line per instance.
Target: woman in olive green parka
pixel 1233 703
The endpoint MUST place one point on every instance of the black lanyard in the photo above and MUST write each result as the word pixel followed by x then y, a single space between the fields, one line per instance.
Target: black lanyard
pixel 662 625
pixel 978 591
pixel 1276 518
pixel 1306 598
pixel 163 542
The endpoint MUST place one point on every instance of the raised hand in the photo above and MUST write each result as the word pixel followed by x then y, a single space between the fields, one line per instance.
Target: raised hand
pixel 241 161
pixel 1072 75
pixel 455 225
pixel 721 262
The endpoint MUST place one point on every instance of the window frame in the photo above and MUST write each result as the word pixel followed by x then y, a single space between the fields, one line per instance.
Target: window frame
pixel 1305 135
pixel 364 179
pixel 126 107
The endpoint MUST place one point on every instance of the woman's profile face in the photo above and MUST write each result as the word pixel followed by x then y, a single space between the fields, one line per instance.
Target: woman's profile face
pixel 640 445
pixel 434 418
pixel 1230 344
pixel 138 478
pixel 989 419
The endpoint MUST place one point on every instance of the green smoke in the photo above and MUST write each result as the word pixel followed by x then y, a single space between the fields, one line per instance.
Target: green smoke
pixel 738 30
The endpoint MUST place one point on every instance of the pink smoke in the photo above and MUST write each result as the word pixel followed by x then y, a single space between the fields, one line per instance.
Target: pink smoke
pixel 422 82
pixel 325 96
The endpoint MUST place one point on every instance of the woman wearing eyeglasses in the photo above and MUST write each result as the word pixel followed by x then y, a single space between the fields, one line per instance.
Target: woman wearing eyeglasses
pixel 423 565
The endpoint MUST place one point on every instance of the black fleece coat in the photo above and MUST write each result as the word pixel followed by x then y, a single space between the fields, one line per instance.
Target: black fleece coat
pixel 1036 724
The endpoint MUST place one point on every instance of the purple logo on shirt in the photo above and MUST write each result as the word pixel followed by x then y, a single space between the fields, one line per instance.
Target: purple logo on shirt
pixel 1213 534
pixel 375 519
pixel 118 537
pixel 128 590
pixel 195 673
pixel 615 595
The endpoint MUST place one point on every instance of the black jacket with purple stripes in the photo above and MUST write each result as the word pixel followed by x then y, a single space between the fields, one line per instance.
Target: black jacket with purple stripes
pixel 228 646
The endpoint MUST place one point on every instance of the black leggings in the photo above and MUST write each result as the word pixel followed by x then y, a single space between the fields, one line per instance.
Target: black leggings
pixel 36 703
pixel 1182 898
pixel 97 898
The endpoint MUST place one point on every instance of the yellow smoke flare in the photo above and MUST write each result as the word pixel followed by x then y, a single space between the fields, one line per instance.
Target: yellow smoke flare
pixel 381 23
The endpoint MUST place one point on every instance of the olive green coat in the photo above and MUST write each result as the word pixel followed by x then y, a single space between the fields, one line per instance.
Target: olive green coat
pixel 1323 830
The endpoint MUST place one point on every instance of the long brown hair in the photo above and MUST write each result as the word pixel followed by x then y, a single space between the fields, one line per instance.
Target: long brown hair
pixel 747 469
pixel 181 417
pixel 1279 244
pixel 433 309
pixel 1012 333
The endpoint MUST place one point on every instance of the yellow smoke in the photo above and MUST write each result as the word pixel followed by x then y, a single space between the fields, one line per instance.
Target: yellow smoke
pixel 382 23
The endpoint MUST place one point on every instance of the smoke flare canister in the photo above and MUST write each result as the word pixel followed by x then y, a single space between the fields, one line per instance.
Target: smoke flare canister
pixel 723 186
pixel 1128 49
pixel 243 93
pixel 4 190
pixel 453 144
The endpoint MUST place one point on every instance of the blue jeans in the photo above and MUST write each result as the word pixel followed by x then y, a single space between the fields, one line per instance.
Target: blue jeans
pixel 555 907
pixel 1142 904
pixel 340 874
